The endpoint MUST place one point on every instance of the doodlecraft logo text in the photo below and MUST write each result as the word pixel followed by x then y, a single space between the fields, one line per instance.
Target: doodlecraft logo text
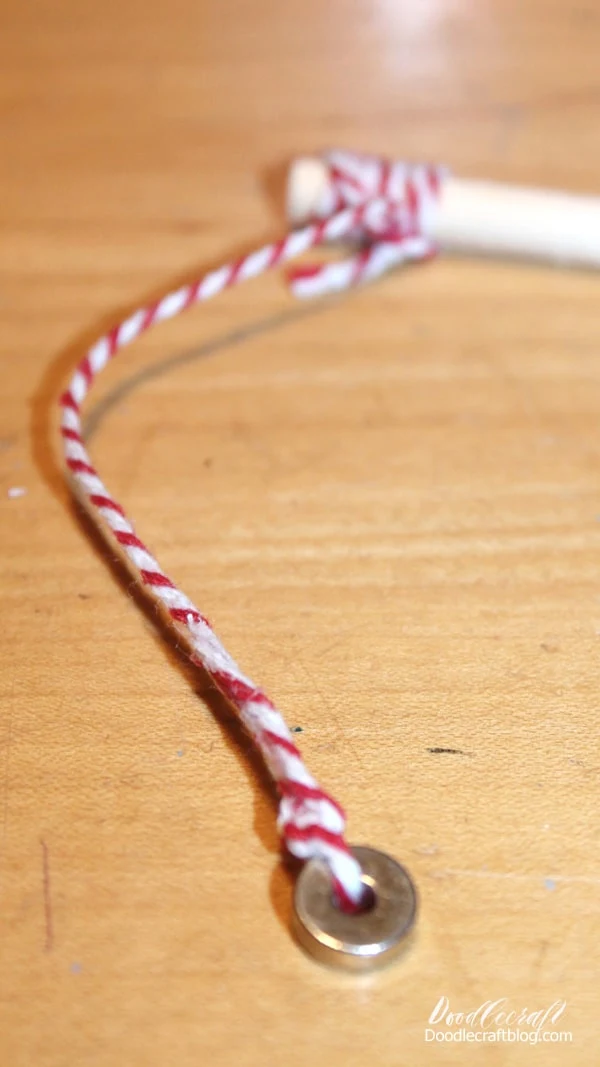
pixel 497 1021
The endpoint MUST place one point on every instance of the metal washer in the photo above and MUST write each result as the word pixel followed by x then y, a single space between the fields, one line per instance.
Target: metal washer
pixel 355 942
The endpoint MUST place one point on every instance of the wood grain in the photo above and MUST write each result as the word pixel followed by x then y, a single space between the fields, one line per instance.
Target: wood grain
pixel 388 506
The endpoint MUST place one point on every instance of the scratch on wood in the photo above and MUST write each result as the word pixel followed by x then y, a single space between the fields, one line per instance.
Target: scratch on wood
pixel 7 768
pixel 451 751
pixel 558 879
pixel 5 789
pixel 540 957
pixel 427 850
pixel 49 943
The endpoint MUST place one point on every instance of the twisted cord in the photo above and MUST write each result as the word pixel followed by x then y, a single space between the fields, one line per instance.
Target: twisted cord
pixel 311 822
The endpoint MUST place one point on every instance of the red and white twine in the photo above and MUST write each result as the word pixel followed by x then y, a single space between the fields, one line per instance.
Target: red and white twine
pixel 382 208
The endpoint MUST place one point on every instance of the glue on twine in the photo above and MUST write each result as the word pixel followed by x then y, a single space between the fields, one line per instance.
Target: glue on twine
pixel 383 208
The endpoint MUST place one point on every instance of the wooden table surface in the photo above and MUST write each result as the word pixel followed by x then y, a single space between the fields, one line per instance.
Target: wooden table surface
pixel 388 505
